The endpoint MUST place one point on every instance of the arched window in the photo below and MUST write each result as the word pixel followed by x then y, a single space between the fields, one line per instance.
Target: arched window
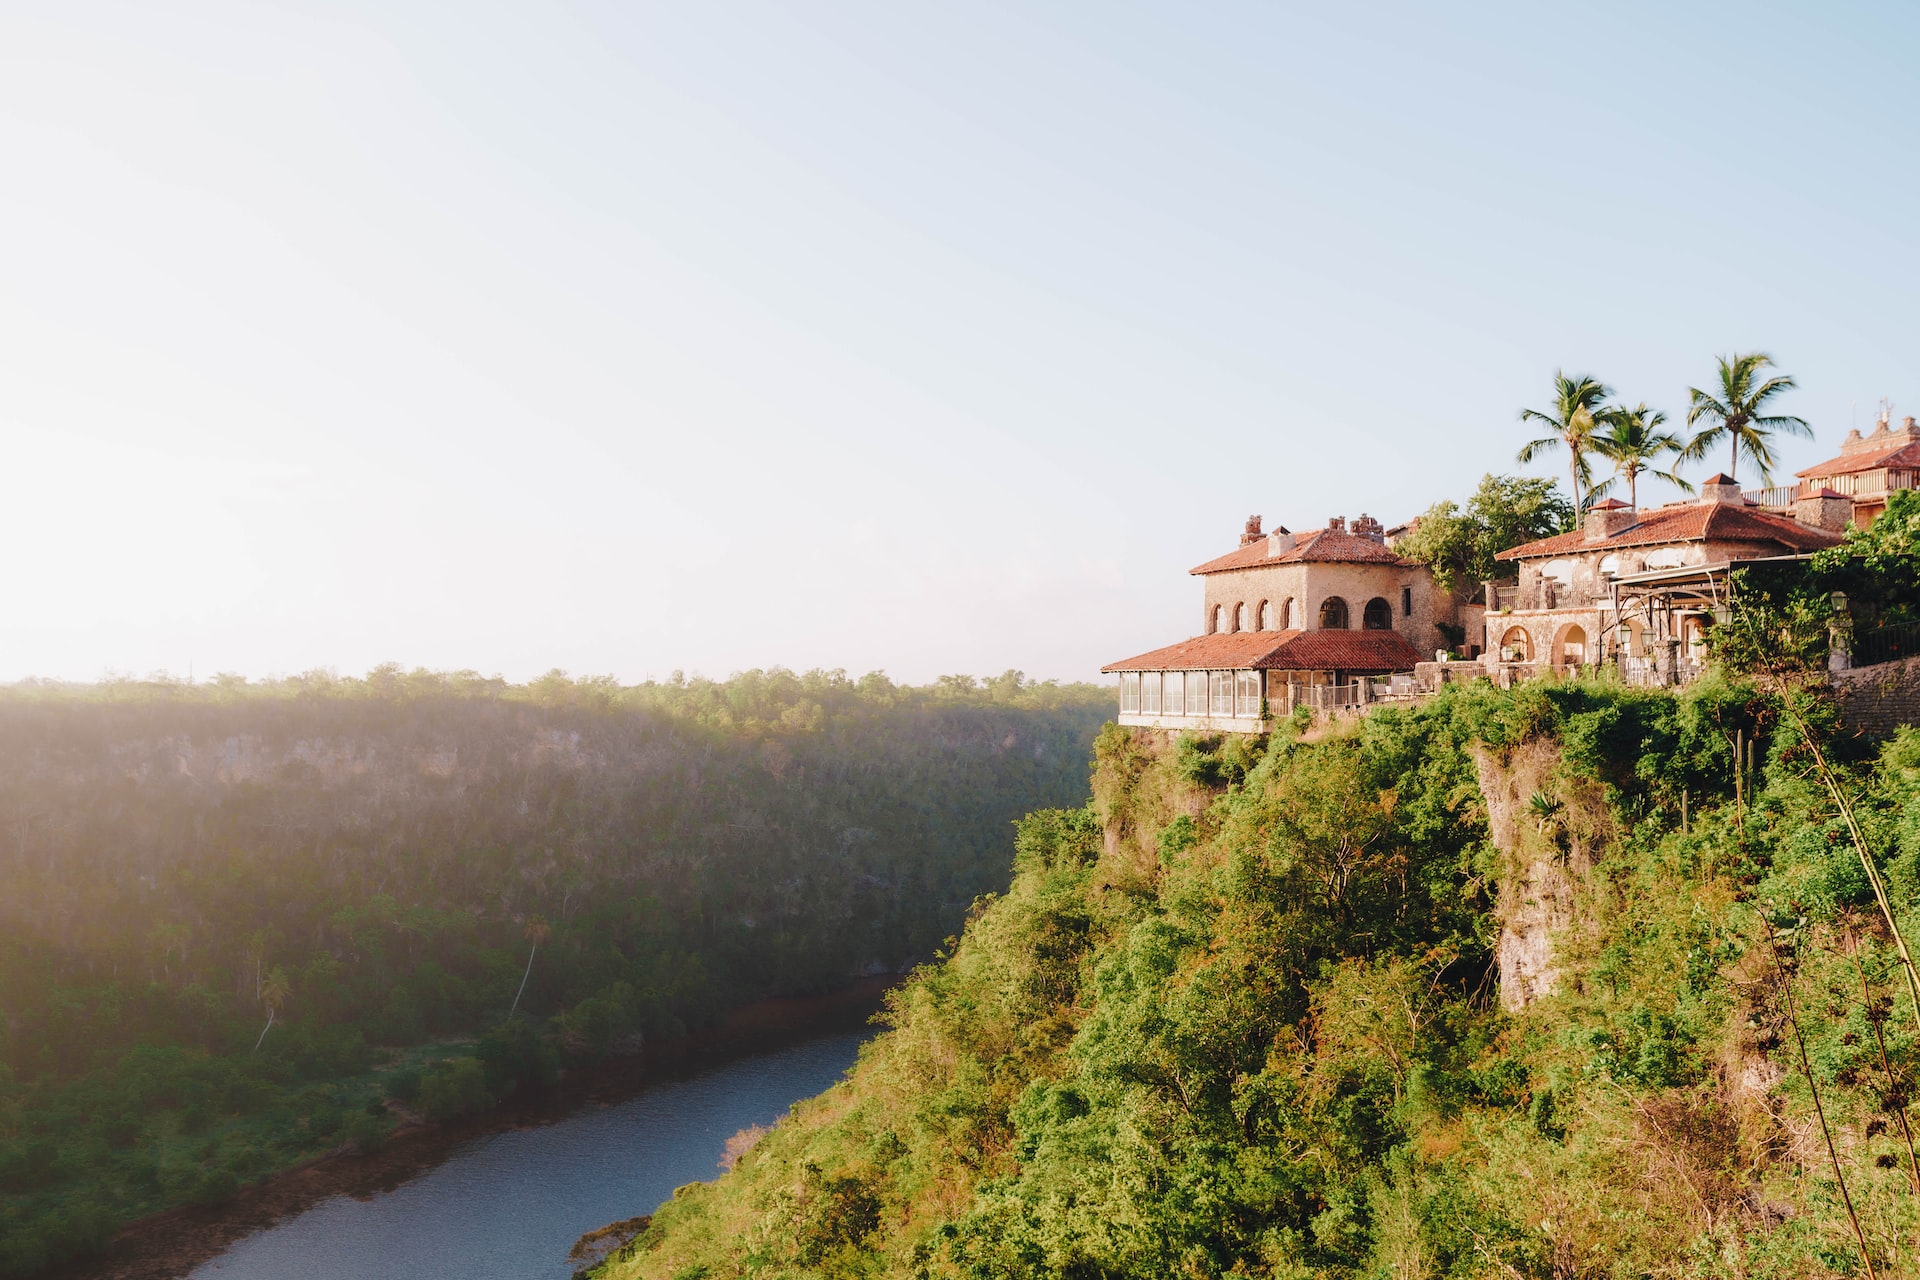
pixel 1378 615
pixel 1516 645
pixel 1266 615
pixel 1213 620
pixel 1333 614
pixel 1290 615
pixel 1240 617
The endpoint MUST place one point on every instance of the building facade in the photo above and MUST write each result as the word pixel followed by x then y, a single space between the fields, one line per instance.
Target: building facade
pixel 1868 469
pixel 1641 588
pixel 1289 620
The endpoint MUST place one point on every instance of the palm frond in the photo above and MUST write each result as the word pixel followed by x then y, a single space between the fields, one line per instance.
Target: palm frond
pixel 1707 438
pixel 1685 486
pixel 1787 423
pixel 1534 448
pixel 1701 405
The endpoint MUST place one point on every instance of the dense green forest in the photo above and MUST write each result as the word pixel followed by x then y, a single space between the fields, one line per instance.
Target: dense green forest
pixel 246 924
pixel 1531 983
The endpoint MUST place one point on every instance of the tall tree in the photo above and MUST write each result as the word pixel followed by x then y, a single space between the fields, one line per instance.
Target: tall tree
pixel 1571 423
pixel 1736 411
pixel 536 933
pixel 273 993
pixel 1505 511
pixel 1634 443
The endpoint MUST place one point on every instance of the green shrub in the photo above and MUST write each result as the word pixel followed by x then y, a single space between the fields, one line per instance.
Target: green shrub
pixel 454 1088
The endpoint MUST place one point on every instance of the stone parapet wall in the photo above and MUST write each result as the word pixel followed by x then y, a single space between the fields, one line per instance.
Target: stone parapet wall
pixel 1878 700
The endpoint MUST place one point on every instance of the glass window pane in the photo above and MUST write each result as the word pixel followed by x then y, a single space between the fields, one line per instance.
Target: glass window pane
pixel 1170 693
pixel 1129 692
pixel 1196 693
pixel 1150 693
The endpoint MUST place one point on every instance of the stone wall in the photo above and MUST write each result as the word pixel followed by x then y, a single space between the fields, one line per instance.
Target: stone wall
pixel 1877 700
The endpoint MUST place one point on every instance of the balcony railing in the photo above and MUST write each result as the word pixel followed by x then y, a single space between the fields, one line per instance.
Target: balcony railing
pixel 1885 644
pixel 1778 497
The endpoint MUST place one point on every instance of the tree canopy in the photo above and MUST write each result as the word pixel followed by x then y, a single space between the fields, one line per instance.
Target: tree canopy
pixel 1459 545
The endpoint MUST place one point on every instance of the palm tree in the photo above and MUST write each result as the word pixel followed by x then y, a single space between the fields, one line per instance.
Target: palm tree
pixel 1576 401
pixel 1633 443
pixel 536 933
pixel 1738 414
pixel 273 993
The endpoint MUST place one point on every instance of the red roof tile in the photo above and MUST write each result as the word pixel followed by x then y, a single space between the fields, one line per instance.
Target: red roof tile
pixel 1316 546
pixel 1898 455
pixel 1323 650
pixel 1696 522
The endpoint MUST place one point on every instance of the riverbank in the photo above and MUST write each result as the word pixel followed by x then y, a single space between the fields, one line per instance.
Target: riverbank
pixel 171 1244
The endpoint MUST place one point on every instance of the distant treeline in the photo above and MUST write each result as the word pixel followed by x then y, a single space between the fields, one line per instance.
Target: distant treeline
pixel 351 864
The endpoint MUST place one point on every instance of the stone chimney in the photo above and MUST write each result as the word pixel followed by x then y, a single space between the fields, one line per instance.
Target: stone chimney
pixel 1251 533
pixel 1721 489
pixel 1824 510
pixel 1336 524
pixel 1366 526
pixel 1280 541
pixel 1605 519
pixel 1882 425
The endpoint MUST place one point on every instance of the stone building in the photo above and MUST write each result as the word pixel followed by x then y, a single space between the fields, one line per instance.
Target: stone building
pixel 1868 469
pixel 1290 620
pixel 1641 588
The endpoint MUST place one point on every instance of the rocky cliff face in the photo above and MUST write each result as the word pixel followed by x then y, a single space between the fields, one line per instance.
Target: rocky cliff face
pixel 1549 829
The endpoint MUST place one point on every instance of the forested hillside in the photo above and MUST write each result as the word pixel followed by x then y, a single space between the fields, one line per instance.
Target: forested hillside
pixel 1571 980
pixel 223 904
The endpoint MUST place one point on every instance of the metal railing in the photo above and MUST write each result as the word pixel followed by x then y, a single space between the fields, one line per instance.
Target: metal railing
pixel 1885 644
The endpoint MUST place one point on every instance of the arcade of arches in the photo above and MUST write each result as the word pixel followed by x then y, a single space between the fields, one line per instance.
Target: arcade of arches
pixel 1335 615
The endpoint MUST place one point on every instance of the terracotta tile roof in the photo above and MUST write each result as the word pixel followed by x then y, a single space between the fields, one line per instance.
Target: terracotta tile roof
pixel 1316 546
pixel 1696 522
pixel 1900 455
pixel 1323 650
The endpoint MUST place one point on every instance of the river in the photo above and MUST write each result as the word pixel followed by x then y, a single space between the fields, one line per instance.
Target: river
pixel 508 1205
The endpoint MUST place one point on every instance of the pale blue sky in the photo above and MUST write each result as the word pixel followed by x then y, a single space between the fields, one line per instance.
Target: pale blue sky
pixel 627 337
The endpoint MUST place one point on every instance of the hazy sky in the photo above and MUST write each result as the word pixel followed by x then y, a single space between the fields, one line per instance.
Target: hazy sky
pixel 632 337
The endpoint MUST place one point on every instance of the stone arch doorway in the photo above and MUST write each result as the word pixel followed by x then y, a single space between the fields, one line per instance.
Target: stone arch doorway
pixel 1333 614
pixel 1570 646
pixel 1378 615
pixel 1516 645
